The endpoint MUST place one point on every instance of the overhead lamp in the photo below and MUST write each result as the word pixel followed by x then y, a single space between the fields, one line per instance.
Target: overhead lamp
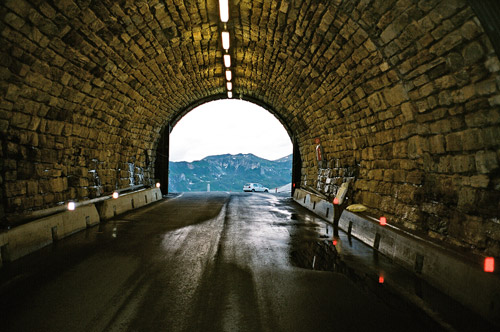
pixel 230 94
pixel 229 86
pixel 224 10
pixel 229 75
pixel 225 40
pixel 227 60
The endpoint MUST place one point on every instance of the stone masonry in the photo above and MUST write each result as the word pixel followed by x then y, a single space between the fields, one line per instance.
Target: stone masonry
pixel 402 94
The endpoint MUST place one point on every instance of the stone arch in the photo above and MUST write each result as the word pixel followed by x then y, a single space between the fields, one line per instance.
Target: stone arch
pixel 161 145
pixel 407 92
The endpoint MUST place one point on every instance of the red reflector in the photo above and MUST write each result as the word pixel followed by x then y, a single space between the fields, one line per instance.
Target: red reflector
pixel 294 185
pixel 489 264
pixel 336 201
pixel 381 279
pixel 383 221
pixel 334 242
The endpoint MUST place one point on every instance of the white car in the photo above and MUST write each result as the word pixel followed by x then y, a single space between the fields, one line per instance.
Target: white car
pixel 255 187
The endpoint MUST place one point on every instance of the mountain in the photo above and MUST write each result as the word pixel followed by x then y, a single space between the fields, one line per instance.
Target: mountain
pixel 229 173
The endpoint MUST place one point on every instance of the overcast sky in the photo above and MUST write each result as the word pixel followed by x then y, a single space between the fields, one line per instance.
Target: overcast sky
pixel 228 126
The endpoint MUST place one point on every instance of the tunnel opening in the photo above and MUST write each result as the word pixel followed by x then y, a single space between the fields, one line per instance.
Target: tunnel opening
pixel 221 145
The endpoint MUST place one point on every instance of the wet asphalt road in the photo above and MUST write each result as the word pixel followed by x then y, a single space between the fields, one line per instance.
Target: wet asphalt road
pixel 196 262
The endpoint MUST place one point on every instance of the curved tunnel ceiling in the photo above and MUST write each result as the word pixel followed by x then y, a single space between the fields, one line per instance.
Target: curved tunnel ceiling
pixel 404 95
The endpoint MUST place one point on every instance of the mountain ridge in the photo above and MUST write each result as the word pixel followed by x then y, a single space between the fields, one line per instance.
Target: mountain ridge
pixel 228 172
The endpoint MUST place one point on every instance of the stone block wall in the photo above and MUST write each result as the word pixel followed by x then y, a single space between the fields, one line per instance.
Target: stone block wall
pixel 85 88
pixel 415 106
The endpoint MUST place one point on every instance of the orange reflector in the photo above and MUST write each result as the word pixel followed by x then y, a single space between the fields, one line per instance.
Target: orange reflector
pixel 489 264
pixel 336 201
pixel 381 279
pixel 383 221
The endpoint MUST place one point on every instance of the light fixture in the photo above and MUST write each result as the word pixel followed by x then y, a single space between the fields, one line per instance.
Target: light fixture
pixel 229 75
pixel 71 206
pixel 229 86
pixel 224 10
pixel 227 60
pixel 225 40
pixel 157 184
pixel 115 195
pixel 230 94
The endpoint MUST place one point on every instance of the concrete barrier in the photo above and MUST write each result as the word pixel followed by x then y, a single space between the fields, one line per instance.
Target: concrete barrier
pixel 457 275
pixel 25 239
pixel 314 203
pixel 126 202
pixel 22 240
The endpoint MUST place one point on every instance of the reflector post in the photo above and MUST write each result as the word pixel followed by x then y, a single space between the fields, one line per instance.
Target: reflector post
pixel 489 264
pixel 383 221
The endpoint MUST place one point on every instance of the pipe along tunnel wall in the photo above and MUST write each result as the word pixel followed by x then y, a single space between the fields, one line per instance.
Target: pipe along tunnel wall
pixel 406 93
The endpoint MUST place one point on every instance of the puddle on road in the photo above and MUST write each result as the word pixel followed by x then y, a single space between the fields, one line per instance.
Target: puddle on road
pixel 317 255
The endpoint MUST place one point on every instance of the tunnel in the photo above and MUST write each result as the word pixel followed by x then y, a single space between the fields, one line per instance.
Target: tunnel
pixel 403 97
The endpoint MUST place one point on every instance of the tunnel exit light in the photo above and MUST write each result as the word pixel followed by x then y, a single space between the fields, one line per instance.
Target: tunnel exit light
pixel 229 75
pixel 71 206
pixel 224 10
pixel 489 264
pixel 383 221
pixel 227 60
pixel 225 40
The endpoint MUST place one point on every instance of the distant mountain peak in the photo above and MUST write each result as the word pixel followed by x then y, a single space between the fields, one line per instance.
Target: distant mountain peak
pixel 228 172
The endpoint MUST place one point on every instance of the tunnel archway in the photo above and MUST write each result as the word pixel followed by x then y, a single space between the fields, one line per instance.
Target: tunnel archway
pixel 163 144
pixel 404 94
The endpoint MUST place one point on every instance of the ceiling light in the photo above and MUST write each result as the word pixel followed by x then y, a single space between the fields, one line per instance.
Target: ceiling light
pixel 224 10
pixel 229 86
pixel 229 75
pixel 225 40
pixel 227 60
